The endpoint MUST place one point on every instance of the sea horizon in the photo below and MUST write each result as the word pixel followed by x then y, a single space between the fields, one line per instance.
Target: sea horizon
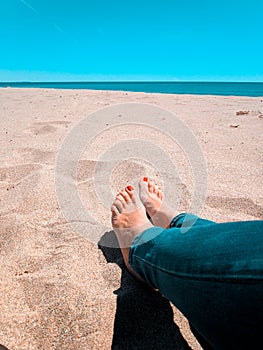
pixel 249 89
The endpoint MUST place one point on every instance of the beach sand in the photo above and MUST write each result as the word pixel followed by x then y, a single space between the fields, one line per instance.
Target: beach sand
pixel 61 289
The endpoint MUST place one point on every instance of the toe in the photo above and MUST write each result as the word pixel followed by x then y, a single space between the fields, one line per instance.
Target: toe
pixel 130 192
pixel 114 216
pixel 143 186
pixel 155 189
pixel 120 198
pixel 159 195
pixel 114 210
pixel 118 204
pixel 151 186
pixel 125 196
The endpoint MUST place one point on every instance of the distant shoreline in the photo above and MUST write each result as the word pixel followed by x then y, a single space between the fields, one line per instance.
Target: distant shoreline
pixel 128 82
pixel 249 89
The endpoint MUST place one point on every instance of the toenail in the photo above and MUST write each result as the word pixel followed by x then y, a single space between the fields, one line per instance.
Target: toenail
pixel 145 179
pixel 130 188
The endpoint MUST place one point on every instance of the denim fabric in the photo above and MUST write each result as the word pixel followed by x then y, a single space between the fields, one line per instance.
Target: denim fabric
pixel 212 272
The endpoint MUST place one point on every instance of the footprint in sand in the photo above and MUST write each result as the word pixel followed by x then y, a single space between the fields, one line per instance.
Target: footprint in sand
pixel 16 184
pixel 243 205
pixel 15 174
pixel 42 128
pixel 34 155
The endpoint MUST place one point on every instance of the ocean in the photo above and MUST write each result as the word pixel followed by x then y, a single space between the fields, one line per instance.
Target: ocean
pixel 194 88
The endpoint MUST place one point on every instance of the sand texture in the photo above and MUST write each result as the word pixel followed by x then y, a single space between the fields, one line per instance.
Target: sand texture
pixel 60 289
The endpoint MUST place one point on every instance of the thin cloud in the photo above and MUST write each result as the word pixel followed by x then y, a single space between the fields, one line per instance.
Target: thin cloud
pixel 29 6
pixel 58 28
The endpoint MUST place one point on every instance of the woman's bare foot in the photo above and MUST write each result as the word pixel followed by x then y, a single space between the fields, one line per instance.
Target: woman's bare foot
pixel 128 220
pixel 153 200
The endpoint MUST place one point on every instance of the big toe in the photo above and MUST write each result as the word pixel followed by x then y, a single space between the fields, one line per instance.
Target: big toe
pixel 143 186
pixel 143 190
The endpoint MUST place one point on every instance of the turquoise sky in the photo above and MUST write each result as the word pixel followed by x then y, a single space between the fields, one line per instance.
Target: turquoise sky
pixel 187 40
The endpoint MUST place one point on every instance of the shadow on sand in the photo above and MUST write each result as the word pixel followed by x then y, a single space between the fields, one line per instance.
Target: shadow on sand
pixel 144 319
pixel 2 347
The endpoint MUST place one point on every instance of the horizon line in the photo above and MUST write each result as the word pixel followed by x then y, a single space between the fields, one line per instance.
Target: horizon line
pixel 125 81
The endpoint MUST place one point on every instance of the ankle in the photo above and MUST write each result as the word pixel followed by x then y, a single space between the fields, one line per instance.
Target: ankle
pixel 125 255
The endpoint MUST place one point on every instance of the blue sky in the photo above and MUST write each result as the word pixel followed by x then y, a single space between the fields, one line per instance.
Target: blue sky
pixel 187 40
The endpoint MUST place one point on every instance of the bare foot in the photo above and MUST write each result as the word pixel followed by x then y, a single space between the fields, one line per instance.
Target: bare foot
pixel 153 200
pixel 128 220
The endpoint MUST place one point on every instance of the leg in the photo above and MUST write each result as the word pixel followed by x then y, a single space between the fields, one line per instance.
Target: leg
pixel 213 273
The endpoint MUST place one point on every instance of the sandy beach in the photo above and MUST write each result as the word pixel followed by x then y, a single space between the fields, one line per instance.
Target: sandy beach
pixel 62 289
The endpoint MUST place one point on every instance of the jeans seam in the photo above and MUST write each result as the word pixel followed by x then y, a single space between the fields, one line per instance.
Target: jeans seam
pixel 207 279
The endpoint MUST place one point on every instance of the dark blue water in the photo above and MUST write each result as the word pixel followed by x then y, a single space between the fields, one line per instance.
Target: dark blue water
pixel 195 88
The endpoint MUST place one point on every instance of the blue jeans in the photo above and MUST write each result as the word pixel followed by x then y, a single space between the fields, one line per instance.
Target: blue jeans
pixel 213 273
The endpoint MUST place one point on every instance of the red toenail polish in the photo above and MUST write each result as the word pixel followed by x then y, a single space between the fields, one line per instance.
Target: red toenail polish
pixel 130 188
pixel 145 179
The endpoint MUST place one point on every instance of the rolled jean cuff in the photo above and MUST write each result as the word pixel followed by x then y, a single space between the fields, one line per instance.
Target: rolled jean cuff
pixel 187 220
pixel 177 220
